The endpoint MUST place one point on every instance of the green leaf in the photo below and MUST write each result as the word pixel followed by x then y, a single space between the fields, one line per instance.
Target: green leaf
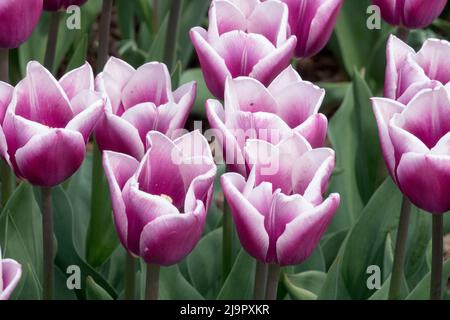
pixel 21 240
pixel 422 290
pixel 96 292
pixel 305 285
pixel 335 94
pixel 156 52
pixel 315 262
pixel 331 245
pixel 67 254
pixel 79 56
pixel 204 264
pixel 334 287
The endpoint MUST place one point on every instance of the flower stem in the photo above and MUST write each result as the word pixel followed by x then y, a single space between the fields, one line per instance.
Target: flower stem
pixel 437 257
pixel 172 34
pixel 400 250
pixel 227 241
pixel 47 230
pixel 7 177
pixel 260 281
pixel 403 34
pixel 52 40
pixel 155 16
pixel 152 283
pixel 272 281
pixel 130 277
pixel 104 30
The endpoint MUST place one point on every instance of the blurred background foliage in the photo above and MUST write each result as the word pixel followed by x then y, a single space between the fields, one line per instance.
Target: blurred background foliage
pixel 351 69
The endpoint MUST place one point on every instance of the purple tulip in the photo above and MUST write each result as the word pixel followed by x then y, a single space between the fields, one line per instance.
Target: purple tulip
pixel 244 38
pixel 140 101
pixel 254 111
pixel 160 204
pixel 19 18
pixel 415 139
pixel 55 5
pixel 48 123
pixel 312 22
pixel 412 14
pixel 279 212
pixel 10 273
pixel 408 72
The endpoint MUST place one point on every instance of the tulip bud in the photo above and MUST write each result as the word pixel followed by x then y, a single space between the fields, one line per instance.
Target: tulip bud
pixel 312 22
pixel 268 113
pixel 280 214
pixel 18 20
pixel 55 5
pixel 48 123
pixel 160 204
pixel 139 101
pixel 243 40
pixel 414 140
pixel 10 273
pixel 411 14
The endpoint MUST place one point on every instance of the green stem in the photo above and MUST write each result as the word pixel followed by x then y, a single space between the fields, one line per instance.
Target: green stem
pixel 272 281
pixel 227 241
pixel 156 16
pixel 51 41
pixel 437 257
pixel 152 282
pixel 172 34
pixel 260 281
pixel 400 251
pixel 47 230
pixel 4 65
pixel 104 31
pixel 130 277
pixel 403 34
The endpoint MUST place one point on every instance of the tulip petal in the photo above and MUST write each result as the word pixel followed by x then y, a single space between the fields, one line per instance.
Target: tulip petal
pixel 433 58
pixel 284 80
pixel 141 209
pixel 144 117
pixel 424 179
pixel 116 134
pixel 421 13
pixel 78 80
pixel 11 271
pixel 224 138
pixel 415 88
pixel 6 92
pixel 50 158
pixel 170 238
pixel 150 83
pixel 248 220
pixel 274 62
pixel 314 130
pixel 85 99
pixel 303 234
pixel 224 16
pixel 396 53
pixel 40 98
pixel 119 168
pixel 214 69
pixel 85 121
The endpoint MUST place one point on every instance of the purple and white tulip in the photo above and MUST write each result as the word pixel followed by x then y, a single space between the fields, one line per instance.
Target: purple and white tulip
pixel 10 273
pixel 408 72
pixel 139 101
pixel 312 22
pixel 279 211
pixel 160 203
pixel 415 143
pixel 244 38
pixel 251 110
pixel 48 123
pixel 412 14
pixel 18 20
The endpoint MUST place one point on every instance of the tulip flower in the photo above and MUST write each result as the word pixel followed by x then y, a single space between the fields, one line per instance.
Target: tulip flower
pixel 408 72
pixel 243 40
pixel 139 101
pixel 411 14
pixel 10 273
pixel 160 203
pixel 48 123
pixel 279 211
pixel 254 111
pixel 55 5
pixel 312 22
pixel 19 18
